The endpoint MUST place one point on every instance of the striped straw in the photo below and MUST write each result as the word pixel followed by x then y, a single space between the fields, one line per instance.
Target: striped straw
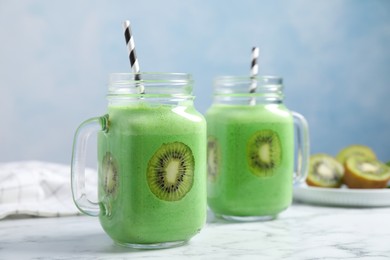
pixel 132 56
pixel 254 73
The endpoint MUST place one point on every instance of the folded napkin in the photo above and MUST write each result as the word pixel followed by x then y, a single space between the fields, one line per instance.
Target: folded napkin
pixel 40 189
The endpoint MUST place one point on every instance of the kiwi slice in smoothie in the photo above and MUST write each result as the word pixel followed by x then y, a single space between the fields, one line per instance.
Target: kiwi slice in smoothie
pixel 264 153
pixel 362 172
pixel 324 171
pixel 170 172
pixel 213 158
pixel 353 150
pixel 110 174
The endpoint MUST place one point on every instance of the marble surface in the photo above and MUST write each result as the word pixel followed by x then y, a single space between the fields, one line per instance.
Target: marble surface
pixel 301 232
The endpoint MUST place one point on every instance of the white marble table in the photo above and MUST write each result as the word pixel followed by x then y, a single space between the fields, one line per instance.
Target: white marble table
pixel 302 232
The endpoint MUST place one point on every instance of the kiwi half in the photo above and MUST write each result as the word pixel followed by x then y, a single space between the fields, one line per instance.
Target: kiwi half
pixel 170 171
pixel 264 153
pixel 110 174
pixel 365 173
pixel 324 171
pixel 213 158
pixel 353 150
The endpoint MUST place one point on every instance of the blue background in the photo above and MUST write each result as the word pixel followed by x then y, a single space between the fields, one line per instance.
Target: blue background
pixel 55 57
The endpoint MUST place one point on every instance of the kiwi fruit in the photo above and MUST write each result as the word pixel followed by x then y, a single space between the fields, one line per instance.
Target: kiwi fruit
pixel 213 158
pixel 170 171
pixel 362 172
pixel 324 171
pixel 353 150
pixel 264 153
pixel 110 174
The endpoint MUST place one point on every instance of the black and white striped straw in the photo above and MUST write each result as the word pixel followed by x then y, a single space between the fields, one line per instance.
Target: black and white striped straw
pixel 132 55
pixel 254 73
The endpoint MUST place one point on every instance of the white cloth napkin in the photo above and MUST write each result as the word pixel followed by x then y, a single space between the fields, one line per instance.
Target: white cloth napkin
pixel 40 189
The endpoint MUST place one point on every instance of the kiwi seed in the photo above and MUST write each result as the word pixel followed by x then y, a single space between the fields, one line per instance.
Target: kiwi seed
pixel 213 158
pixel 110 173
pixel 170 172
pixel 264 153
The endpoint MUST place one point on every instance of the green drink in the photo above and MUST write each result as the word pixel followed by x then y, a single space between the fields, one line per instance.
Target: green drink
pixel 251 151
pixel 131 200
pixel 152 163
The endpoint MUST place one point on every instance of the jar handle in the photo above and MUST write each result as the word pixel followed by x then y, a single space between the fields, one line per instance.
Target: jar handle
pixel 83 132
pixel 303 147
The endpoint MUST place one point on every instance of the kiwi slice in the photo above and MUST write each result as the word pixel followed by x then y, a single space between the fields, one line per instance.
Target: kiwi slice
pixel 355 150
pixel 264 153
pixel 110 174
pixel 366 173
pixel 324 171
pixel 213 158
pixel 170 172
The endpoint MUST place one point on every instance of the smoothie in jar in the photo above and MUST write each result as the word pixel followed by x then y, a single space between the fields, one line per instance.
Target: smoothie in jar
pixel 152 169
pixel 238 187
pixel 251 149
pixel 143 139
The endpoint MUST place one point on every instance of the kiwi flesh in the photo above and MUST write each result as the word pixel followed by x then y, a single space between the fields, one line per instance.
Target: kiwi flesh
pixel 110 174
pixel 353 150
pixel 170 171
pixel 264 153
pixel 324 171
pixel 213 158
pixel 362 172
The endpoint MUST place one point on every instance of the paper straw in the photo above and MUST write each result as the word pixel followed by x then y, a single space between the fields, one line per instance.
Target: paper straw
pixel 254 73
pixel 132 55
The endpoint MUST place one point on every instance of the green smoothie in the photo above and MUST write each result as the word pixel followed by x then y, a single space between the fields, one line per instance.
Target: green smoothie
pixel 234 187
pixel 139 136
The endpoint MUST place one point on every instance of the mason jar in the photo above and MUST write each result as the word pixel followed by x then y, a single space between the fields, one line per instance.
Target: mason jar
pixel 151 161
pixel 254 141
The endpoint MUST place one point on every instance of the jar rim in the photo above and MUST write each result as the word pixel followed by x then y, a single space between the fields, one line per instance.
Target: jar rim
pixel 149 84
pixel 261 80
pixel 263 89
pixel 146 76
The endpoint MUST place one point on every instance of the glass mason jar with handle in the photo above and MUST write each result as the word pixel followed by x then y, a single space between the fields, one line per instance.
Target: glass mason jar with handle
pixel 151 162
pixel 251 149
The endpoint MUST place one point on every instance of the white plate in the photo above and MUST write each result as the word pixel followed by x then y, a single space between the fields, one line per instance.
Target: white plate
pixel 342 196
